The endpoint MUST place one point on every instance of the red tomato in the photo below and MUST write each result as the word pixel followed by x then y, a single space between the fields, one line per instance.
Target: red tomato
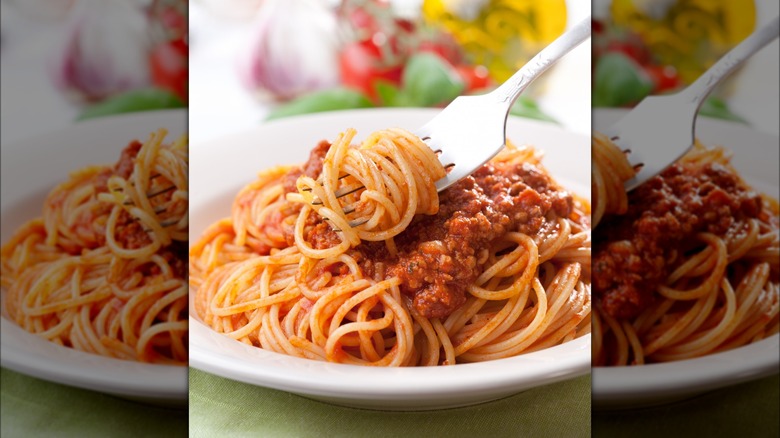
pixel 444 46
pixel 664 77
pixel 362 66
pixel 598 26
pixel 404 25
pixel 168 63
pixel 475 77
pixel 633 49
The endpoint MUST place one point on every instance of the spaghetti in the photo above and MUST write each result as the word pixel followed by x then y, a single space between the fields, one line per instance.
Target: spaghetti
pixel 104 270
pixel 609 171
pixel 392 273
pixel 686 265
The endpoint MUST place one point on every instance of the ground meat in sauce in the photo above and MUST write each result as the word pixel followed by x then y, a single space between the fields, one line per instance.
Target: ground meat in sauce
pixel 438 254
pixel 634 252
pixel 84 226
pixel 124 167
pixel 312 168
pixel 129 232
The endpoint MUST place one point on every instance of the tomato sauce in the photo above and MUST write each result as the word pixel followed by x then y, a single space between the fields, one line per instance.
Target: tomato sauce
pixel 130 233
pixel 439 255
pixel 634 253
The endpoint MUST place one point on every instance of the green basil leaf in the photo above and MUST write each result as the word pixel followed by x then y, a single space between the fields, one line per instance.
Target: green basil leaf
pixel 327 100
pixel 147 99
pixel 619 81
pixel 388 93
pixel 392 96
pixel 717 108
pixel 526 107
pixel 427 80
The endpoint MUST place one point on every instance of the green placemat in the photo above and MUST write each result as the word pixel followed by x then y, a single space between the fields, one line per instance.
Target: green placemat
pixel 222 407
pixel 31 407
pixel 748 410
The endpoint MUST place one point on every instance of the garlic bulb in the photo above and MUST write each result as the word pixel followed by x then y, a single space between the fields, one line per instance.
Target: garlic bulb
pixel 294 49
pixel 105 50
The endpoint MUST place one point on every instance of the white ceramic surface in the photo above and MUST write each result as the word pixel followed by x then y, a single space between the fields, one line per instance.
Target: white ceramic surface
pixel 220 168
pixel 30 169
pixel 756 158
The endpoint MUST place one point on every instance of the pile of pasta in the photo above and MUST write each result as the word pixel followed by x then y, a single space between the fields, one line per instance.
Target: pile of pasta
pixel 721 295
pixel 259 280
pixel 103 270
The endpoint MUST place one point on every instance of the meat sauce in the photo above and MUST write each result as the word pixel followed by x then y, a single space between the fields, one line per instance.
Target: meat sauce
pixel 439 255
pixel 312 168
pixel 129 232
pixel 634 252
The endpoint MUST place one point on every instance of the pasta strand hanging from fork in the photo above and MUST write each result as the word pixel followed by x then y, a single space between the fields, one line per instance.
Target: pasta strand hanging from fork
pixel 365 192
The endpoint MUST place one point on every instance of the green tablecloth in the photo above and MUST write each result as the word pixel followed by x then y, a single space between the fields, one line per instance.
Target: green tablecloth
pixel 748 410
pixel 31 407
pixel 222 407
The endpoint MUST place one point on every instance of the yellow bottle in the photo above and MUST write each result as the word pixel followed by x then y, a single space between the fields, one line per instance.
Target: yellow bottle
pixel 687 34
pixel 502 35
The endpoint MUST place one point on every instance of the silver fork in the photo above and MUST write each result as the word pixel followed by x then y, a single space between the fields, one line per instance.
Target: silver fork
pixel 661 129
pixel 153 194
pixel 472 129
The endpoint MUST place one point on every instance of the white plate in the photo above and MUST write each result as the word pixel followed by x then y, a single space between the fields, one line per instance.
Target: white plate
pixel 756 159
pixel 220 168
pixel 30 169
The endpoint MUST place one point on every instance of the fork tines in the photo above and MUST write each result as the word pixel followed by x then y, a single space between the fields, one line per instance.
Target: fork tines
pixel 340 193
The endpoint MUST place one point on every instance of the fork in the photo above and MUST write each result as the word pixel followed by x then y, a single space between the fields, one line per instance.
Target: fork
pixel 661 129
pixel 153 194
pixel 472 129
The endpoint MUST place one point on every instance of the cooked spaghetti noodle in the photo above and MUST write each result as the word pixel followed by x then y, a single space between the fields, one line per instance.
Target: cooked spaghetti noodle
pixel 686 266
pixel 609 171
pixel 392 273
pixel 104 271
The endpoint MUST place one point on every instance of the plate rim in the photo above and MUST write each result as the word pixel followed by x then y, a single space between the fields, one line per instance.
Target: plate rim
pixel 19 360
pixel 316 383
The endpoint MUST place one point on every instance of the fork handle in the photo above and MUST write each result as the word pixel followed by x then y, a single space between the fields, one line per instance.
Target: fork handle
pixel 509 90
pixel 701 87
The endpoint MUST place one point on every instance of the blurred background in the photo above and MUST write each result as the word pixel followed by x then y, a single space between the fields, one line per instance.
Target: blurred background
pixel 643 47
pixel 254 60
pixel 63 60
pixel 69 60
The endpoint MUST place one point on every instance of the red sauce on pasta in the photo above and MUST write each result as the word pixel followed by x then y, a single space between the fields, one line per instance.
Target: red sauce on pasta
pixel 634 252
pixel 129 232
pixel 440 255
pixel 92 234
